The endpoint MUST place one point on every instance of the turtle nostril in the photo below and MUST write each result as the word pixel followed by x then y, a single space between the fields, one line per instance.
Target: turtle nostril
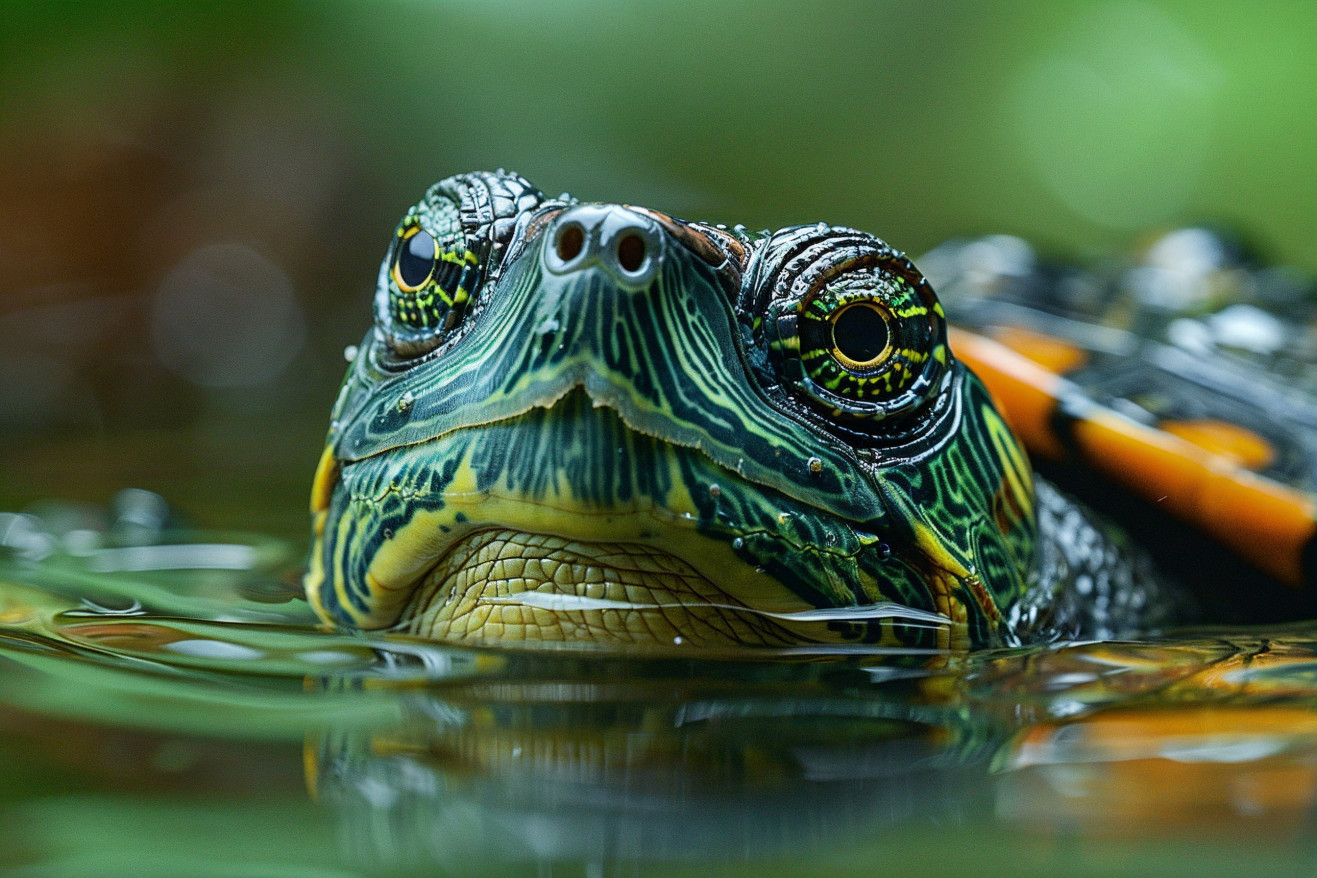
pixel 571 240
pixel 631 253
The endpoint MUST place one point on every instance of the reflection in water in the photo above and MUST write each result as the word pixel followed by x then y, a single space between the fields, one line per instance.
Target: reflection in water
pixel 492 759
pixel 864 612
pixel 592 759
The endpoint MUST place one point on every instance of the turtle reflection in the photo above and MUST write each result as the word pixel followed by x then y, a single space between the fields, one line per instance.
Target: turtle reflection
pixel 518 757
pixel 588 759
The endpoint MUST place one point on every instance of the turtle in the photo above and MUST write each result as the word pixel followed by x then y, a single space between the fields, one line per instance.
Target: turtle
pixel 584 423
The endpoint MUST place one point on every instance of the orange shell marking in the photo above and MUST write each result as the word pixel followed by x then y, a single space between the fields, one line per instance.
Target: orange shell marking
pixel 1232 441
pixel 1053 354
pixel 1261 520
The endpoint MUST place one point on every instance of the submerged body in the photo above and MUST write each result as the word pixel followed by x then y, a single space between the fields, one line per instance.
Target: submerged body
pixel 594 422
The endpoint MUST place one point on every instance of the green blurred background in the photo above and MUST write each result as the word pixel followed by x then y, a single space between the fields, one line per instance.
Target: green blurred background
pixel 194 198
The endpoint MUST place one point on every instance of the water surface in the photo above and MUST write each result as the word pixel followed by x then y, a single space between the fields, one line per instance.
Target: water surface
pixel 168 705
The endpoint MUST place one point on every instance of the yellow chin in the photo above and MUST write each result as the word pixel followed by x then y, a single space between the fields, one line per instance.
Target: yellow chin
pixel 509 586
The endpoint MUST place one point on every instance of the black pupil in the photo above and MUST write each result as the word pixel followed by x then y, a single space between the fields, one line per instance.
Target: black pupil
pixel 860 333
pixel 416 260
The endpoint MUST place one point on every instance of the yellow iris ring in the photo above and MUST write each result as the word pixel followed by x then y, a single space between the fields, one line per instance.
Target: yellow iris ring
pixel 406 236
pixel 849 363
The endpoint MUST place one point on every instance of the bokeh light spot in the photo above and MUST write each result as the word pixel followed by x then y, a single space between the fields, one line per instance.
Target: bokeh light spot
pixel 226 317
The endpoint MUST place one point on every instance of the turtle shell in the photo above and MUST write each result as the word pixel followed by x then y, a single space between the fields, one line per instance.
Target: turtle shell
pixel 1187 376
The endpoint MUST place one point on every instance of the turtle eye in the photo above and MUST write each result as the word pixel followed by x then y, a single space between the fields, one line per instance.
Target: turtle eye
pixel 416 259
pixel 443 253
pixel 860 339
pixel 865 340
pixel 429 284
pixel 856 330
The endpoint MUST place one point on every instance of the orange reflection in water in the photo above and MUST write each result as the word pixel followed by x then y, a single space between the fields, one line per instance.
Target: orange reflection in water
pixel 1150 772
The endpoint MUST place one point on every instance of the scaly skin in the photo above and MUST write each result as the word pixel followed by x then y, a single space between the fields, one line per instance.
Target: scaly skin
pixel 688 439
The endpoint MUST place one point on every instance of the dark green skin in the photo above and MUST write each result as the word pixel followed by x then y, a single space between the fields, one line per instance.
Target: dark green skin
pixel 705 388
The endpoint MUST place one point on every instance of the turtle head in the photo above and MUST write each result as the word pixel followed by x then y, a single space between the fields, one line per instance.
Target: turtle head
pixel 594 422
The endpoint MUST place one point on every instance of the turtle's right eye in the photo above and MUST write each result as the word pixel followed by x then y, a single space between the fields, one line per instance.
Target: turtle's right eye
pixel 443 252
pixel 414 265
pixel 429 284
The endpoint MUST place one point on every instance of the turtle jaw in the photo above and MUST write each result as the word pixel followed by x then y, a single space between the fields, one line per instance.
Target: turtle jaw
pixel 510 586
pixel 569 501
pixel 622 537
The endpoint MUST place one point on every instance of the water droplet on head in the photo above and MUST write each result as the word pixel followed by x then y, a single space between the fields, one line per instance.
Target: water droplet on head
pixel 406 400
pixel 715 491
pixel 350 353
pixel 738 543
pixel 677 640
pixel 815 466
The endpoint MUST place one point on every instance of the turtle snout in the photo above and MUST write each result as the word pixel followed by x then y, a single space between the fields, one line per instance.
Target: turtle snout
pixel 625 244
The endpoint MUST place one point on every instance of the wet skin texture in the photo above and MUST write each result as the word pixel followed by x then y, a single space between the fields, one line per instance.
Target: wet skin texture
pixel 593 422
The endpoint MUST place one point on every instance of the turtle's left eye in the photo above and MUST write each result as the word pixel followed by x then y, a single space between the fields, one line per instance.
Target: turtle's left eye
pixel 855 329
pixel 860 338
pixel 429 285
